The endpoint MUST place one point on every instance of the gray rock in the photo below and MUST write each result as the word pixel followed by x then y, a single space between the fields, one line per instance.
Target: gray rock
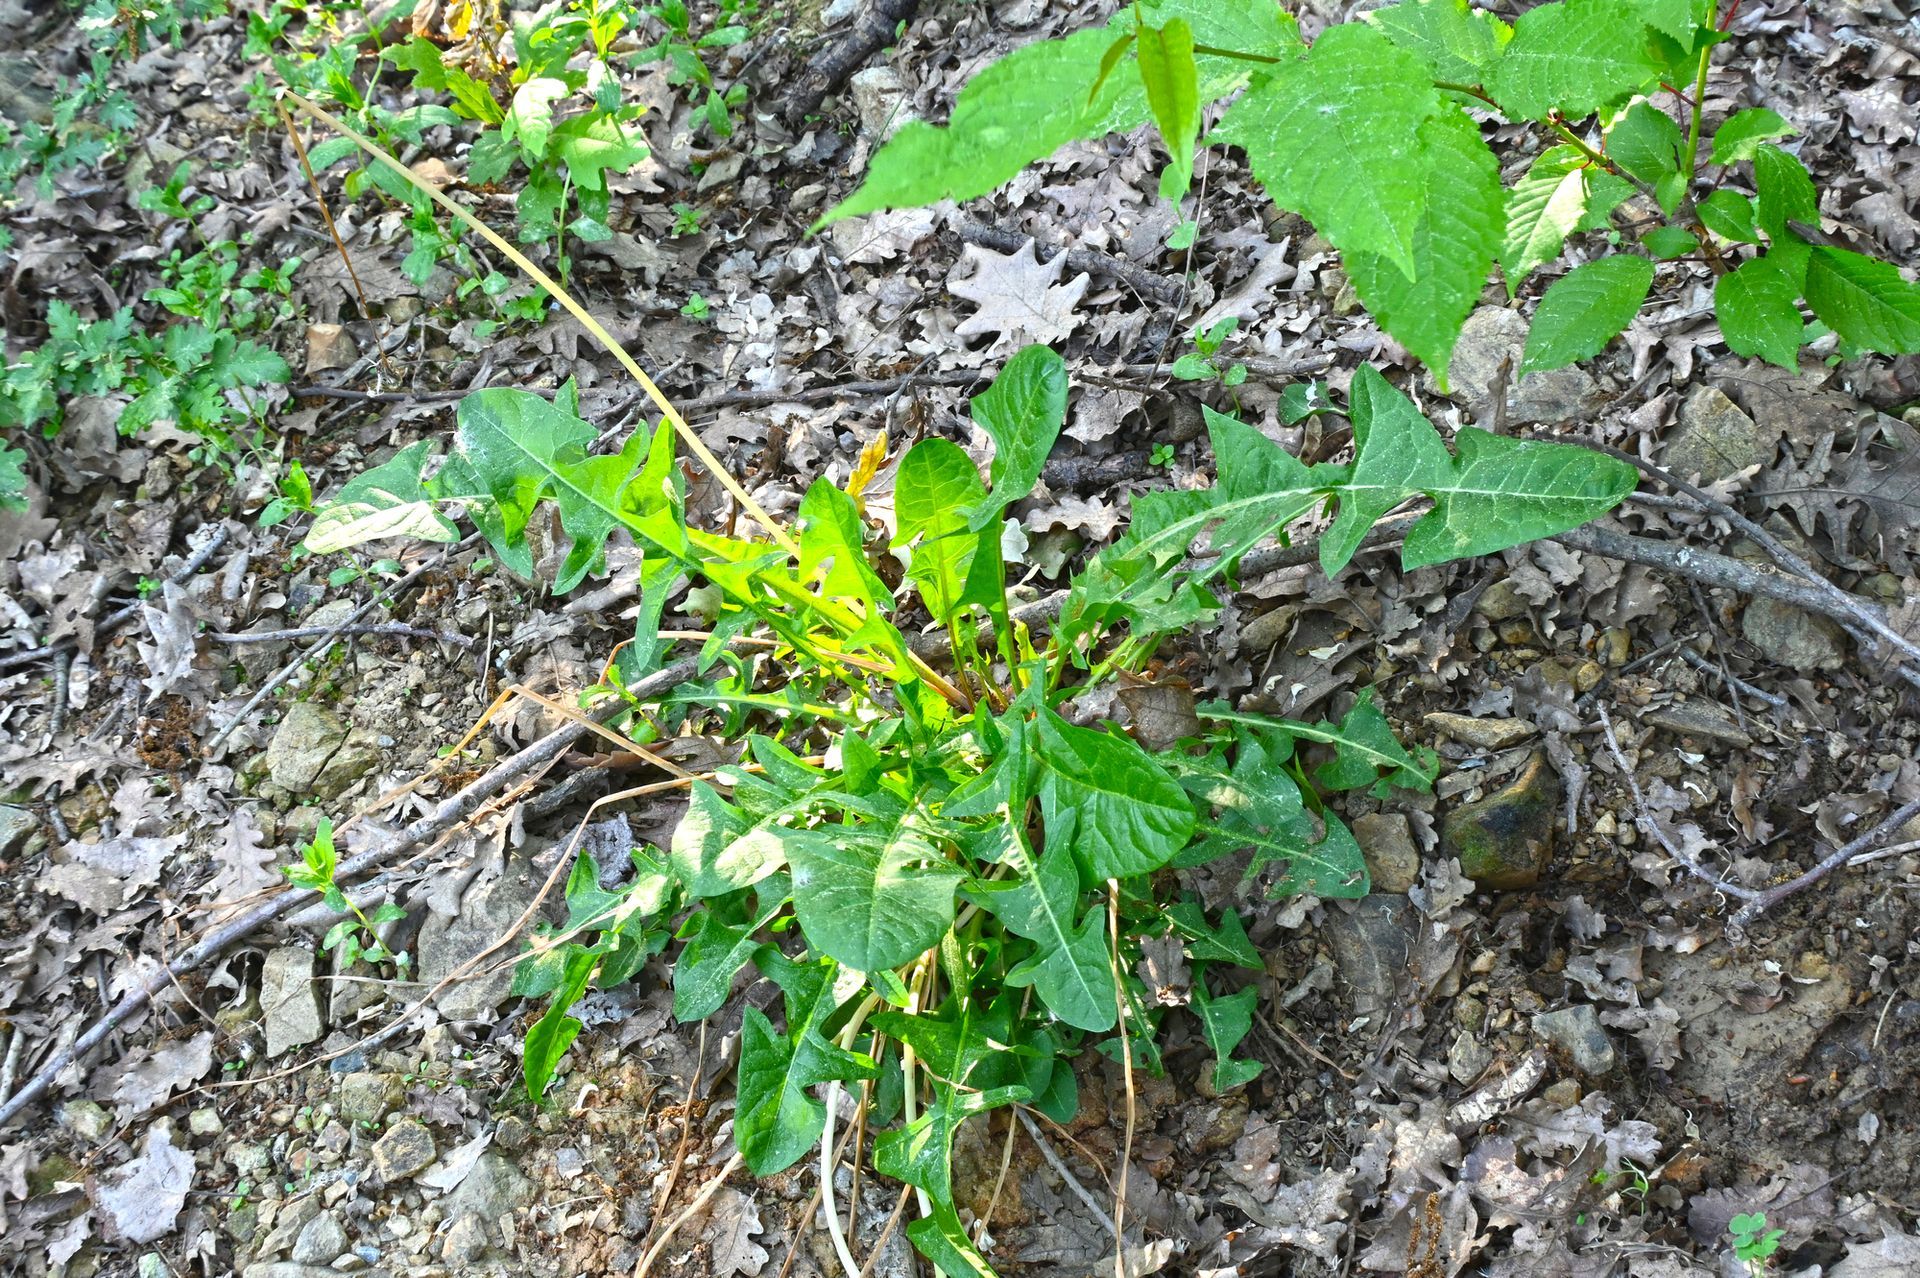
pixel 314 751
pixel 1370 942
pixel 86 1119
pixel 289 1000
pixel 368 1098
pixel 1482 734
pixel 1468 1059
pixel 1693 719
pixel 23 97
pixel 879 100
pixel 1501 601
pixel 293 1218
pixel 466 1240
pixel 320 1240
pixel 1577 1032
pixel 491 1190
pixel 404 1150
pixel 1393 859
pixel 1715 438
pixel 205 1122
pixel 489 907
pixel 16 824
pixel 1494 335
pixel 1792 638
pixel 285 1269
pixel 1505 841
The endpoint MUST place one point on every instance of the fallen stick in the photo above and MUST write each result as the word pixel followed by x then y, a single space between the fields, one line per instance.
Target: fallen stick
pixel 122 616
pixel 450 813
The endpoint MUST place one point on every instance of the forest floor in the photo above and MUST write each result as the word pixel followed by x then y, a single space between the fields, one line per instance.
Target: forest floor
pixel 1586 1074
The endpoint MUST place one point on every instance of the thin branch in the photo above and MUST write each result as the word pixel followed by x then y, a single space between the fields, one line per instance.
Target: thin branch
pixel 450 813
pixel 1761 902
pixel 1852 606
pixel 115 620
pixel 393 629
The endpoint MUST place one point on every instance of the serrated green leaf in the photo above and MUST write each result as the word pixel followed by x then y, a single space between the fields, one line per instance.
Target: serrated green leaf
pixel 1224 1024
pixel 1486 499
pixel 387 501
pixel 715 950
pixel 13 478
pixel 1069 969
pixel 530 119
pixel 1457 42
pixel 1167 71
pixel 1507 492
pixel 1669 242
pixel 1397 453
pixel 1759 313
pixel 1257 804
pixel 555 1031
pixel 515 450
pixel 1022 412
pixel 1605 193
pixel 1730 215
pixel 1739 138
pixel 1786 194
pixel 1108 800
pixel 872 899
pixel 1461 229
pixel 778 1122
pixel 1572 56
pixel 1676 18
pixel 833 544
pixel 713 852
pixel 1646 143
pixel 1023 107
pixel 1865 300
pixel 1542 209
pixel 1038 98
pixel 1226 943
pixel 1584 310
pixel 1336 136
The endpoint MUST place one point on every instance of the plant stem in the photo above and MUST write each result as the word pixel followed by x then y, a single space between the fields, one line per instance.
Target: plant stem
pixel 1471 90
pixel 1237 55
pixel 1699 111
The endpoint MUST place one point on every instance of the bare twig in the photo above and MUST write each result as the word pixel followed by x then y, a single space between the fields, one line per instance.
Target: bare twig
pixel 1704 666
pixel 1712 569
pixel 1157 287
pixel 872 31
pixel 394 629
pixel 1843 604
pixel 1643 818
pixel 445 817
pixel 320 645
pixel 1760 902
pixel 1061 1170
pixel 115 620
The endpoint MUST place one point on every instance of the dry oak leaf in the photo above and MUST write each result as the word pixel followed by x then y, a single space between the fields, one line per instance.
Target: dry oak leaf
pixel 731 1223
pixel 141 1200
pixel 1019 299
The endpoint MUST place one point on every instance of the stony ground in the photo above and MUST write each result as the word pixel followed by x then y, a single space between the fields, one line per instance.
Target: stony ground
pixel 1536 1049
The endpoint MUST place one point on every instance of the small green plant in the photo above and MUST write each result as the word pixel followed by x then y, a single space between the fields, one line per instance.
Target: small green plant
pixel 124 28
pixel 90 122
pixel 696 308
pixel 947 873
pixel 210 287
pixel 1201 365
pixel 686 219
pixel 1372 135
pixel 1162 455
pixel 683 52
pixel 1753 1243
pixel 357 936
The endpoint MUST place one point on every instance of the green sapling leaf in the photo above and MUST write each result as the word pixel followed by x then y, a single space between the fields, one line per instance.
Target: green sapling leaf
pixel 1584 310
